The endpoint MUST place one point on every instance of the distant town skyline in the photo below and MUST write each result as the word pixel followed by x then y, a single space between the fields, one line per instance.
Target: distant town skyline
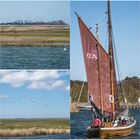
pixel 34 11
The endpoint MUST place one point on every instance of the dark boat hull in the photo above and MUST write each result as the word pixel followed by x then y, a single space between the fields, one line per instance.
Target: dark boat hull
pixel 110 132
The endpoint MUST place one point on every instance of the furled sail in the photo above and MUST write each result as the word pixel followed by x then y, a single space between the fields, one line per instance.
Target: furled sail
pixel 97 63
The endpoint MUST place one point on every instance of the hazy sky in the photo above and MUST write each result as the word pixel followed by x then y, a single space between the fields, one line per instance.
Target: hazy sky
pixel 34 94
pixel 34 10
pixel 125 20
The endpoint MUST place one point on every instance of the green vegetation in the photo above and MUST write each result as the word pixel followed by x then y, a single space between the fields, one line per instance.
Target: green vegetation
pixel 34 35
pixel 131 90
pixel 33 127
pixel 36 123
pixel 75 91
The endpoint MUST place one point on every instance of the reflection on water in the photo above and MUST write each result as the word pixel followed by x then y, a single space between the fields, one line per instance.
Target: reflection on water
pixel 39 57
pixel 81 120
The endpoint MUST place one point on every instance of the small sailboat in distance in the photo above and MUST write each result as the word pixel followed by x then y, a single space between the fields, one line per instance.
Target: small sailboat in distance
pixel 102 86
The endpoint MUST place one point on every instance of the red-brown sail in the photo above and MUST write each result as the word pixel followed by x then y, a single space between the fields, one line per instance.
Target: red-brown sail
pixel 97 63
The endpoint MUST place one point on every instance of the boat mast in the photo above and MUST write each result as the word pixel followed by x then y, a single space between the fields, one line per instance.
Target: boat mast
pixel 112 64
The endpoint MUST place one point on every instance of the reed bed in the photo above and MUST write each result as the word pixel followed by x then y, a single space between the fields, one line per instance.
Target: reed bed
pixel 34 35
pixel 31 132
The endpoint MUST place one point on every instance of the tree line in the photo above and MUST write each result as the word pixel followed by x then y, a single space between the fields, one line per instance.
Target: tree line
pixel 131 87
pixel 29 22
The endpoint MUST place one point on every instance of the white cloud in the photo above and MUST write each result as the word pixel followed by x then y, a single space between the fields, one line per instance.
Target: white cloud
pixel 37 85
pixel 37 79
pixel 4 97
pixel 58 83
pixel 49 85
pixel 67 88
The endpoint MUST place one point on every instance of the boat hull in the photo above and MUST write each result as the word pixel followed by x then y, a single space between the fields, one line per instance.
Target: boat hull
pixel 111 132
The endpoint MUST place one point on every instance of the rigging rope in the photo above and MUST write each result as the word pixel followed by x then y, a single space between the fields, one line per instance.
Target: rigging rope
pixel 100 18
pixel 100 13
pixel 80 92
pixel 106 39
pixel 116 60
pixel 118 70
pixel 99 25
pixel 76 93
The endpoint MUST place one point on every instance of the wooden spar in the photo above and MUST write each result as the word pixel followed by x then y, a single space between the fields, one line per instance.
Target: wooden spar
pixel 112 59
pixel 96 108
pixel 80 93
pixel 112 86
pixel 99 74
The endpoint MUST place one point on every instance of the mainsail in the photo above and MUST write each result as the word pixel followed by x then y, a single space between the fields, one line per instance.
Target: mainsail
pixel 97 63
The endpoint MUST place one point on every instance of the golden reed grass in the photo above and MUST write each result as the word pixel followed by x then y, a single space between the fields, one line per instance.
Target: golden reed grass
pixel 31 132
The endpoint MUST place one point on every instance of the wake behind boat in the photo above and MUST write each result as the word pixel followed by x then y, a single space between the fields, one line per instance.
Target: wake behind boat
pixel 109 120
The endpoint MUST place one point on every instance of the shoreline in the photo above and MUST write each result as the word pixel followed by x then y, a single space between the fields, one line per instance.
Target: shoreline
pixel 36 45
pixel 74 109
pixel 31 132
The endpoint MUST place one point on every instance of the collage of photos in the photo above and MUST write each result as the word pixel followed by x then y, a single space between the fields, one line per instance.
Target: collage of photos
pixel 69 69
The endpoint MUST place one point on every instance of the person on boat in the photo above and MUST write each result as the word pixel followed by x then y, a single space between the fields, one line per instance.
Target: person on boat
pixel 125 121
pixel 108 122
pixel 103 122
pixel 131 119
pixel 116 122
pixel 96 123
pixel 119 122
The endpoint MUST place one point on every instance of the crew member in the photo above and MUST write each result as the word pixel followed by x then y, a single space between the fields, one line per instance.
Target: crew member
pixel 96 123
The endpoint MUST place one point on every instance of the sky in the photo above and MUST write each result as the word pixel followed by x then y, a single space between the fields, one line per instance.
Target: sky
pixel 125 21
pixel 34 10
pixel 34 94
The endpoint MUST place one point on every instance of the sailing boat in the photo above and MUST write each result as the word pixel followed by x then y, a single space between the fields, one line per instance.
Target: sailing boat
pixel 102 84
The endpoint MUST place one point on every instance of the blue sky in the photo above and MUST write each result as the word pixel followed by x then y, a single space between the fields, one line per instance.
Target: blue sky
pixel 34 10
pixel 34 94
pixel 125 20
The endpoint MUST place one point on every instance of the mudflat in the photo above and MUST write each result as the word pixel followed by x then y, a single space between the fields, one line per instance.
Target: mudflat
pixel 34 35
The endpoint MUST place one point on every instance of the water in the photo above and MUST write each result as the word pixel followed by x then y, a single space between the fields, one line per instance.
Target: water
pixel 37 57
pixel 81 120
pixel 55 136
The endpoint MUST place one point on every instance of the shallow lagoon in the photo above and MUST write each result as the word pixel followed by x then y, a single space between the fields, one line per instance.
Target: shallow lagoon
pixel 36 57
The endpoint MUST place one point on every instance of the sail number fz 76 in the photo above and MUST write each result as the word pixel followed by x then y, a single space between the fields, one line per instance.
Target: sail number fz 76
pixel 92 56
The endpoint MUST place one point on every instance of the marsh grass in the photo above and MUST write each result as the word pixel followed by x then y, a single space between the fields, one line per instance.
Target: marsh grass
pixel 38 123
pixel 30 127
pixel 34 35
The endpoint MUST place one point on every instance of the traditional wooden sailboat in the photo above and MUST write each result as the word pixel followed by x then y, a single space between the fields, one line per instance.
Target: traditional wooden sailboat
pixel 102 84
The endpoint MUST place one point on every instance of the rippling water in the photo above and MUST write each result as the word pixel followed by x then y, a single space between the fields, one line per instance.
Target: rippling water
pixel 81 120
pixel 37 57
pixel 55 136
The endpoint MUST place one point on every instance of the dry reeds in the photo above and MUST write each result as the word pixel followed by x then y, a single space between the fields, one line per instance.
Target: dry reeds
pixel 31 132
pixel 34 35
